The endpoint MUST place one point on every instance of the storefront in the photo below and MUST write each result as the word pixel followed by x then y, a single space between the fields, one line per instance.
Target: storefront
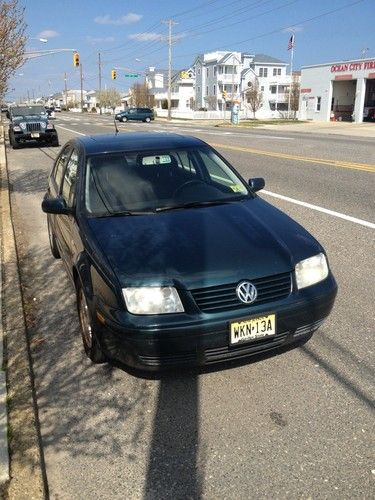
pixel 338 91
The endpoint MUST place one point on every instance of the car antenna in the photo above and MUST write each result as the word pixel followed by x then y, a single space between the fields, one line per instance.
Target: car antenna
pixel 115 124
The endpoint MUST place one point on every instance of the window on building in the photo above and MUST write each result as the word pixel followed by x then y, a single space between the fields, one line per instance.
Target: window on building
pixel 263 72
pixel 215 70
pixel 198 89
pixel 187 103
pixel 207 90
pixel 260 71
pixel 318 103
pixel 207 71
pixel 279 71
pixel 262 88
pixel 214 87
pixel 273 89
pixel 199 71
pixel 274 71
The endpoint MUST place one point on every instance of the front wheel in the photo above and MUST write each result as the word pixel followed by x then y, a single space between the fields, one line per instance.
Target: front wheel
pixel 13 141
pixel 88 329
pixel 124 119
pixel 148 119
pixel 55 142
pixel 52 241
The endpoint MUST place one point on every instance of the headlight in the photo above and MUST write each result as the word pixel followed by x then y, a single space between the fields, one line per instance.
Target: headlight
pixel 23 125
pixel 17 128
pixel 311 271
pixel 153 300
pixel 50 126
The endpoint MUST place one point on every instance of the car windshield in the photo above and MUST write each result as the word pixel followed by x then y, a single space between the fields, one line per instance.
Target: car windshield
pixel 159 180
pixel 28 111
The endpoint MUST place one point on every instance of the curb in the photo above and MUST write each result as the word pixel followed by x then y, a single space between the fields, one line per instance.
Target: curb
pixel 27 478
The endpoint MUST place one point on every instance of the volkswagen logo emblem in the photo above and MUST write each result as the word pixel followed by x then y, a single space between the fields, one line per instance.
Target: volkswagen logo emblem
pixel 246 292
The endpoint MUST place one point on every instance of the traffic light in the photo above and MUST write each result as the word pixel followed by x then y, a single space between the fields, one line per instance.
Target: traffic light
pixel 76 59
pixel 114 74
pixel 224 94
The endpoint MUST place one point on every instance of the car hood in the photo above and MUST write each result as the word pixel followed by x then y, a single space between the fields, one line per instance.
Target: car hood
pixel 33 118
pixel 200 247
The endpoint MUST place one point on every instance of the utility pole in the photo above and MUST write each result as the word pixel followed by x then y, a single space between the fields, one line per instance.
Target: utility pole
pixel 66 93
pixel 81 77
pixel 100 81
pixel 170 22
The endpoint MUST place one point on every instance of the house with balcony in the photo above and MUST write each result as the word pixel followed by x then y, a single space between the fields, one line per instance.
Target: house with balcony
pixel 223 78
pixel 182 90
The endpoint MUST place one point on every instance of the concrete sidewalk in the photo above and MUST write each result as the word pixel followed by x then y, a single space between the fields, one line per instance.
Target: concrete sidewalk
pixel 23 474
pixel 4 453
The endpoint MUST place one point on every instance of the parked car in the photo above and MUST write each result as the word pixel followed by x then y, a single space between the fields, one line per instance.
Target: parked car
pixel 50 113
pixel 370 115
pixel 139 114
pixel 58 109
pixel 174 258
pixel 30 123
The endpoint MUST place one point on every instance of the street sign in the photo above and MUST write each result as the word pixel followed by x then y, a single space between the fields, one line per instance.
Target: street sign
pixel 131 75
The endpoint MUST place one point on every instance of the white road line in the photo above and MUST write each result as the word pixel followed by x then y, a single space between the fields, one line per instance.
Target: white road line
pixel 321 209
pixel 70 130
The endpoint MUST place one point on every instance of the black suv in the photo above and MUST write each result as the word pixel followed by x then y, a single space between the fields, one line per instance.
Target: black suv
pixel 141 114
pixel 30 123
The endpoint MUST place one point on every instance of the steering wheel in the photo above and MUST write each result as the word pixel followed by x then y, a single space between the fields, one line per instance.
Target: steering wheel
pixel 186 184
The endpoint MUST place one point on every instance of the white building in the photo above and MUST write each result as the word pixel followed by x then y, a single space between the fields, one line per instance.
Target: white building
pixel 222 78
pixel 342 90
pixel 182 90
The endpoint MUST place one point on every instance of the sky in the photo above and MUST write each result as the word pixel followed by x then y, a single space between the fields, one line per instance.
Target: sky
pixel 132 35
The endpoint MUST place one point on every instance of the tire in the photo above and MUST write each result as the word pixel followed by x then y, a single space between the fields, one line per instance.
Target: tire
pixel 88 329
pixel 52 241
pixel 13 142
pixel 148 119
pixel 55 143
pixel 124 119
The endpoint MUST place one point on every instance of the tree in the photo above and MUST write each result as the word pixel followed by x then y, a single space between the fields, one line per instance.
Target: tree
pixel 254 97
pixel 12 41
pixel 109 98
pixel 294 96
pixel 141 96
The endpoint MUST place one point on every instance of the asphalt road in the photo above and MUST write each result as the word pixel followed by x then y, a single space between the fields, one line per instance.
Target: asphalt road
pixel 299 424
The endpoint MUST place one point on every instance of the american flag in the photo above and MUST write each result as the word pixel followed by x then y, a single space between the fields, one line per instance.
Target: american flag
pixel 291 42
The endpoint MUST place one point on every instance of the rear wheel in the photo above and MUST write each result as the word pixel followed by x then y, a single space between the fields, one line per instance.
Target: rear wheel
pixel 148 119
pixel 52 241
pixel 55 142
pixel 88 329
pixel 124 119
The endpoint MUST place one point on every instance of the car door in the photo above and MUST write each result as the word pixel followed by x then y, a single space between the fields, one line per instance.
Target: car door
pixel 54 185
pixel 66 224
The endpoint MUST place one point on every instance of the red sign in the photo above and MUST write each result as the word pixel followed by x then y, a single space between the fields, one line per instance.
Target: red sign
pixel 353 66
pixel 305 91
pixel 371 75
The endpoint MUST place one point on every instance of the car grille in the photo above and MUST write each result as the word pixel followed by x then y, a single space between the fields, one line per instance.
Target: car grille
pixel 33 127
pixel 216 354
pixel 223 297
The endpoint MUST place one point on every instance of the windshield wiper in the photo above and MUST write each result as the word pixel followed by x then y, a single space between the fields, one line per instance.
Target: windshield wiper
pixel 198 204
pixel 125 213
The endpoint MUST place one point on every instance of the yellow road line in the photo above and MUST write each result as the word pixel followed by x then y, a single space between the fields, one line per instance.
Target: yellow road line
pixel 336 163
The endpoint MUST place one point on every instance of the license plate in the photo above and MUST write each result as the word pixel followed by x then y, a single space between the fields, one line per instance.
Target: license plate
pixel 251 329
pixel 35 134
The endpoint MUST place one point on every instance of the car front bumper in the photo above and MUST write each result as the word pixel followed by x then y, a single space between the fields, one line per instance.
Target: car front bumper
pixel 42 136
pixel 204 341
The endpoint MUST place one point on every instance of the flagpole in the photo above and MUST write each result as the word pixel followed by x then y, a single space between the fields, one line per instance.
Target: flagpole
pixel 291 73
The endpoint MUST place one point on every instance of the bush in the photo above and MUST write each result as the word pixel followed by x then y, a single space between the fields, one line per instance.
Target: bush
pixel 94 110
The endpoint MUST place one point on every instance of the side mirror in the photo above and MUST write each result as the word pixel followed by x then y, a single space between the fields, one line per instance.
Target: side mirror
pixel 56 206
pixel 257 183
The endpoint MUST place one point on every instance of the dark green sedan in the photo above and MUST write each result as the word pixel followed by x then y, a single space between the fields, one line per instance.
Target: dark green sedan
pixel 175 259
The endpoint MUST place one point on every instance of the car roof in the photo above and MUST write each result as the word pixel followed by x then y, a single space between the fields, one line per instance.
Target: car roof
pixel 133 141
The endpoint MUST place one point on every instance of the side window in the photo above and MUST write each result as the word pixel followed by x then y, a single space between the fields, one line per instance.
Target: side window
pixel 70 176
pixel 58 169
pixel 219 172
pixel 185 161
